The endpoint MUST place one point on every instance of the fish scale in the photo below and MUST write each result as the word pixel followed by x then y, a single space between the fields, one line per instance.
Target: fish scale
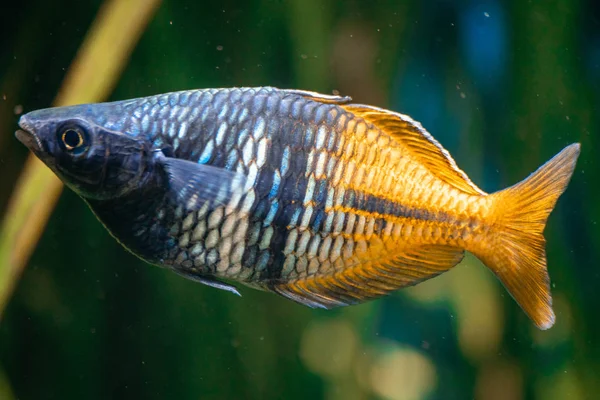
pixel 254 258
pixel 318 199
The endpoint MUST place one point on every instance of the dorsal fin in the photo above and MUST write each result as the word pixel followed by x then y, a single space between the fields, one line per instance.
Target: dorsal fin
pixel 321 98
pixel 419 142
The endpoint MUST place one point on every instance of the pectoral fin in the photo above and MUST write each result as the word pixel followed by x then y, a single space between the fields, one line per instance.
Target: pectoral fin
pixel 193 184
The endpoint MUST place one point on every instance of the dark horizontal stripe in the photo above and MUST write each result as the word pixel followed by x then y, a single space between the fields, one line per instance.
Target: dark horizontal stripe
pixel 295 189
pixel 370 203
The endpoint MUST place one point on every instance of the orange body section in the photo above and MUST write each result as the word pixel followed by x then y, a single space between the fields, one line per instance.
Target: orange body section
pixel 426 213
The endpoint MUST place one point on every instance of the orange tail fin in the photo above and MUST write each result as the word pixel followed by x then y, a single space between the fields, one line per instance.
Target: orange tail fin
pixel 517 253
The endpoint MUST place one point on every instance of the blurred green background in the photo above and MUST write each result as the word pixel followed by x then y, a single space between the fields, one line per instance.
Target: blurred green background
pixel 503 84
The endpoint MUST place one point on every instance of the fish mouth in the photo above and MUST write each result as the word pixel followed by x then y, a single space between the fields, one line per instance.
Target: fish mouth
pixel 26 136
pixel 29 140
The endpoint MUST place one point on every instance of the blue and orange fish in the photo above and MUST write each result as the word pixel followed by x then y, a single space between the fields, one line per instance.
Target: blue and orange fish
pixel 310 196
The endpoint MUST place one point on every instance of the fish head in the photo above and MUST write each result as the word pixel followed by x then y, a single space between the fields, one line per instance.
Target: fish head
pixel 86 151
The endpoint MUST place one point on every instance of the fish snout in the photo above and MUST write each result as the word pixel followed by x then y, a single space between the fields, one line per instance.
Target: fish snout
pixel 26 134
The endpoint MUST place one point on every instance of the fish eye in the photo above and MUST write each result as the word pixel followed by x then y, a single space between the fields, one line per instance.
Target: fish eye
pixel 73 139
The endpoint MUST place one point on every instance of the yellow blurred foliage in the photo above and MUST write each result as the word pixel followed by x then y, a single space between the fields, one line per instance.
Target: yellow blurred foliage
pixel 402 373
pixel 328 347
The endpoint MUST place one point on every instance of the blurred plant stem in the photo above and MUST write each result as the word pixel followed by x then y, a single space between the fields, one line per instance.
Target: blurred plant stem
pixel 91 77
pixel 6 392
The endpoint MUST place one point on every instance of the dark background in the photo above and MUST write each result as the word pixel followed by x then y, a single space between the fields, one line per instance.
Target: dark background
pixel 503 85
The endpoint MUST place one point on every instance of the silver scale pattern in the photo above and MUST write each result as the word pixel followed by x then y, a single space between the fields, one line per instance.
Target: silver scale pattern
pixel 261 133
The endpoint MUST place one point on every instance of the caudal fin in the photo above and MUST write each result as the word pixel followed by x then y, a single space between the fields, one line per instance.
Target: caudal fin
pixel 517 252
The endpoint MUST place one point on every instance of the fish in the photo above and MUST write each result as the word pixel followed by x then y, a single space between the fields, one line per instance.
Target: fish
pixel 310 196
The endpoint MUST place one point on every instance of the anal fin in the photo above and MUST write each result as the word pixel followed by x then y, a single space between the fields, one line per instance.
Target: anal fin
pixel 369 279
